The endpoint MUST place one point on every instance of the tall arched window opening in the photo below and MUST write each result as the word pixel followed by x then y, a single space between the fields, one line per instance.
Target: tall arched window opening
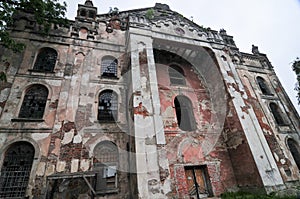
pixel 46 60
pixel 184 113
pixel 15 171
pixel 109 67
pixel 263 86
pixel 108 106
pixel 34 102
pixel 294 148
pixel 176 75
pixel 277 114
pixel 106 164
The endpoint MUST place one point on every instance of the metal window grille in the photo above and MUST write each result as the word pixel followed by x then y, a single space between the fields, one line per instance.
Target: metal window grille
pixel 109 67
pixel 106 161
pixel 34 102
pixel 108 106
pixel 45 60
pixel 16 169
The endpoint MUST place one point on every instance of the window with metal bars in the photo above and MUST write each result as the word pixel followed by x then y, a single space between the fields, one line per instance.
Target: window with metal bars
pixel 184 113
pixel 176 75
pixel 46 60
pixel 277 114
pixel 15 171
pixel 109 67
pixel 34 102
pixel 263 86
pixel 108 106
pixel 105 164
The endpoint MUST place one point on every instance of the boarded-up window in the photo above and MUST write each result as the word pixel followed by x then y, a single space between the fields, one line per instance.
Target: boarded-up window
pixel 108 106
pixel 184 113
pixel 106 164
pixel 34 102
pixel 277 114
pixel 176 75
pixel 263 86
pixel 15 171
pixel 46 60
pixel 198 182
pixel 295 151
pixel 109 67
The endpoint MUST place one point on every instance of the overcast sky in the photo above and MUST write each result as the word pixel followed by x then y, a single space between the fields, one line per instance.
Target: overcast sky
pixel 272 25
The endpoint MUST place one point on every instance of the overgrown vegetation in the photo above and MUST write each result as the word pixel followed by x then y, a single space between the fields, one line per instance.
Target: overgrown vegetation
pixel 245 195
pixel 150 14
pixel 296 69
pixel 46 13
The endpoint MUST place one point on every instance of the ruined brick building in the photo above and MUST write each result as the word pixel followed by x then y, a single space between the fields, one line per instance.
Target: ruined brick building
pixel 140 104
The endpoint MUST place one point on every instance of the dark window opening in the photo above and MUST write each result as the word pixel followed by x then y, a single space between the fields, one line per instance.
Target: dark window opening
pixel 184 113
pixel 277 114
pixel 46 60
pixel 108 106
pixel 109 67
pixel 83 13
pixel 105 164
pixel 15 171
pixel 198 182
pixel 176 75
pixel 263 86
pixel 294 148
pixel 34 102
pixel 91 14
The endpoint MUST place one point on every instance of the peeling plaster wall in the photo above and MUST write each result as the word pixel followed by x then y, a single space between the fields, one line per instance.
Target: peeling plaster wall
pixel 236 138
pixel 276 135
pixel 69 131
pixel 185 148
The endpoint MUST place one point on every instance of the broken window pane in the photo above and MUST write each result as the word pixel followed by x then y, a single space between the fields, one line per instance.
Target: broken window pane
pixel 34 102
pixel 46 60
pixel 109 67
pixel 107 106
pixel 105 164
pixel 176 75
pixel 16 169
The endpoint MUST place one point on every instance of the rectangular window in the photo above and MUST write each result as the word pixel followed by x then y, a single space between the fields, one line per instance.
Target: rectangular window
pixel 198 181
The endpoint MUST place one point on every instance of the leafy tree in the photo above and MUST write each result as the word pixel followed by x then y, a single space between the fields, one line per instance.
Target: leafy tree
pixel 296 68
pixel 45 12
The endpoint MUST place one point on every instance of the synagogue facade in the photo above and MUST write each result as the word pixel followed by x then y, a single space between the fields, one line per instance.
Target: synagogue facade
pixel 142 104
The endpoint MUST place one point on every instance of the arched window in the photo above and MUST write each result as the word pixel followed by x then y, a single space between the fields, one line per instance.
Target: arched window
pixel 263 86
pixel 176 75
pixel 46 60
pixel 109 67
pixel 294 148
pixel 106 164
pixel 34 102
pixel 184 113
pixel 15 171
pixel 108 106
pixel 277 114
